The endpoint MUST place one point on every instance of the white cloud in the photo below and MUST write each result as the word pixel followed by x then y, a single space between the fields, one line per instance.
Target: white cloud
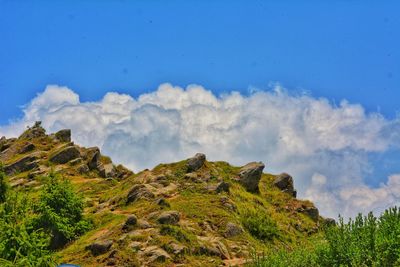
pixel 325 147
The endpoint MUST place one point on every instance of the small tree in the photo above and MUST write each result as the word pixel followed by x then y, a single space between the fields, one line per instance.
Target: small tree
pixel 60 211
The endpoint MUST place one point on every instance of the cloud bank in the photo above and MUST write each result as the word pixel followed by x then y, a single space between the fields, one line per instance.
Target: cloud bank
pixel 325 147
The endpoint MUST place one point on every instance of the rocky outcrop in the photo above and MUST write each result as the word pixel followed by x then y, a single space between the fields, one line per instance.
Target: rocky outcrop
pixel 65 155
pixel 156 254
pixel 35 131
pixel 311 212
pixel 137 192
pixel 196 162
pixel 250 175
pixel 28 147
pixel 63 135
pixel 26 163
pixel 285 183
pixel 130 223
pixel 232 230
pixel 98 248
pixel 93 157
pixel 222 187
pixel 169 217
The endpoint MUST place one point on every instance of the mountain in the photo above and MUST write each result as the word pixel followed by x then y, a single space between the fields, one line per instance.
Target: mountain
pixel 188 213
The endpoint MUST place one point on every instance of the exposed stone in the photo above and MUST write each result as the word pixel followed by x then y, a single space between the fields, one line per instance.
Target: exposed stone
pixel 216 248
pixel 35 131
pixel 137 192
pixel 196 162
pixel 75 161
pixel 156 254
pixel 232 230
pixel 142 224
pixel 98 248
pixel 169 217
pixel 311 212
pixel 162 202
pixel 63 135
pixel 26 163
pixel 285 183
pixel 28 147
pixel 228 204
pixel 250 175
pixel 329 222
pixel 222 187
pixel 135 245
pixel 177 249
pixel 65 154
pixel 83 168
pixel 130 222
pixel 93 157
pixel 106 170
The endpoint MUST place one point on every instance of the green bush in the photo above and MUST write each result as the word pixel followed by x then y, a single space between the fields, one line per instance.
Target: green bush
pixel 60 212
pixel 20 243
pixel 260 225
pixel 3 185
pixel 364 241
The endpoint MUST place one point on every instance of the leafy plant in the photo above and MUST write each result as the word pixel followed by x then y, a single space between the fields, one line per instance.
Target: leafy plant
pixel 3 185
pixel 260 225
pixel 60 212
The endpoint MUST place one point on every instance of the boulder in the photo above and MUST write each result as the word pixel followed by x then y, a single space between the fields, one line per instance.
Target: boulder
pixel 169 217
pixel 63 135
pixel 328 222
pixel 139 191
pixel 98 248
pixel 28 147
pixel 163 202
pixel 93 157
pixel 156 254
pixel 106 170
pixel 83 168
pixel 232 230
pixel 285 183
pixel 222 187
pixel 196 162
pixel 65 155
pixel 23 164
pixel 35 131
pixel 130 222
pixel 250 175
pixel 311 212
pixel 177 249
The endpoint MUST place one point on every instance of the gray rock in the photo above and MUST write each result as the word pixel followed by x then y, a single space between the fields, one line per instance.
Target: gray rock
pixel 285 183
pixel 232 230
pixel 107 170
pixel 177 249
pixel 35 131
pixel 156 254
pixel 65 155
pixel 93 157
pixel 196 162
pixel 329 222
pixel 63 135
pixel 28 147
pixel 137 192
pixel 222 187
pixel 98 248
pixel 169 217
pixel 83 168
pixel 311 212
pixel 75 161
pixel 130 223
pixel 23 164
pixel 162 202
pixel 250 175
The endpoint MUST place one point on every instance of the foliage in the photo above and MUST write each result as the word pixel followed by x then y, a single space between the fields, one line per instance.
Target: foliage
pixel 60 212
pixel 3 185
pixel 260 225
pixel 364 241
pixel 20 243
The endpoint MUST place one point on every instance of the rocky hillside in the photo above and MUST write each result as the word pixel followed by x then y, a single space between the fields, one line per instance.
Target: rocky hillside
pixel 189 213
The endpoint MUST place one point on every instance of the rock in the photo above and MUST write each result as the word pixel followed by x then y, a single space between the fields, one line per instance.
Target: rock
pixel 107 170
pixel 98 248
pixel 169 217
pixel 142 224
pixel 65 154
pixel 177 249
pixel 26 163
pixel 28 147
pixel 162 202
pixel 139 191
pixel 311 212
pixel 156 254
pixel 228 204
pixel 63 135
pixel 222 187
pixel 93 157
pixel 83 168
pixel 285 183
pixel 196 162
pixel 35 131
pixel 328 222
pixel 250 175
pixel 75 161
pixel 232 230
pixel 135 245
pixel 130 222
pixel 216 248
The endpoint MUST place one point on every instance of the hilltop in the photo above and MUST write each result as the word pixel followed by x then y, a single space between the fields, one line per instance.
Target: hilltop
pixel 193 212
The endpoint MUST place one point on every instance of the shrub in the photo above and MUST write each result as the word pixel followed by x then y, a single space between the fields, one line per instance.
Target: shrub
pixel 20 243
pixel 60 212
pixel 260 225
pixel 3 185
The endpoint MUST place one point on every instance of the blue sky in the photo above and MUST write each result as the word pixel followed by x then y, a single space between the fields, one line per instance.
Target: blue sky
pixel 342 154
pixel 334 49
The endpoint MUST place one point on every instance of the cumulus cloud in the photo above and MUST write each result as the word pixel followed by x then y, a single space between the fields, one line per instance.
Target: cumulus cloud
pixel 325 147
